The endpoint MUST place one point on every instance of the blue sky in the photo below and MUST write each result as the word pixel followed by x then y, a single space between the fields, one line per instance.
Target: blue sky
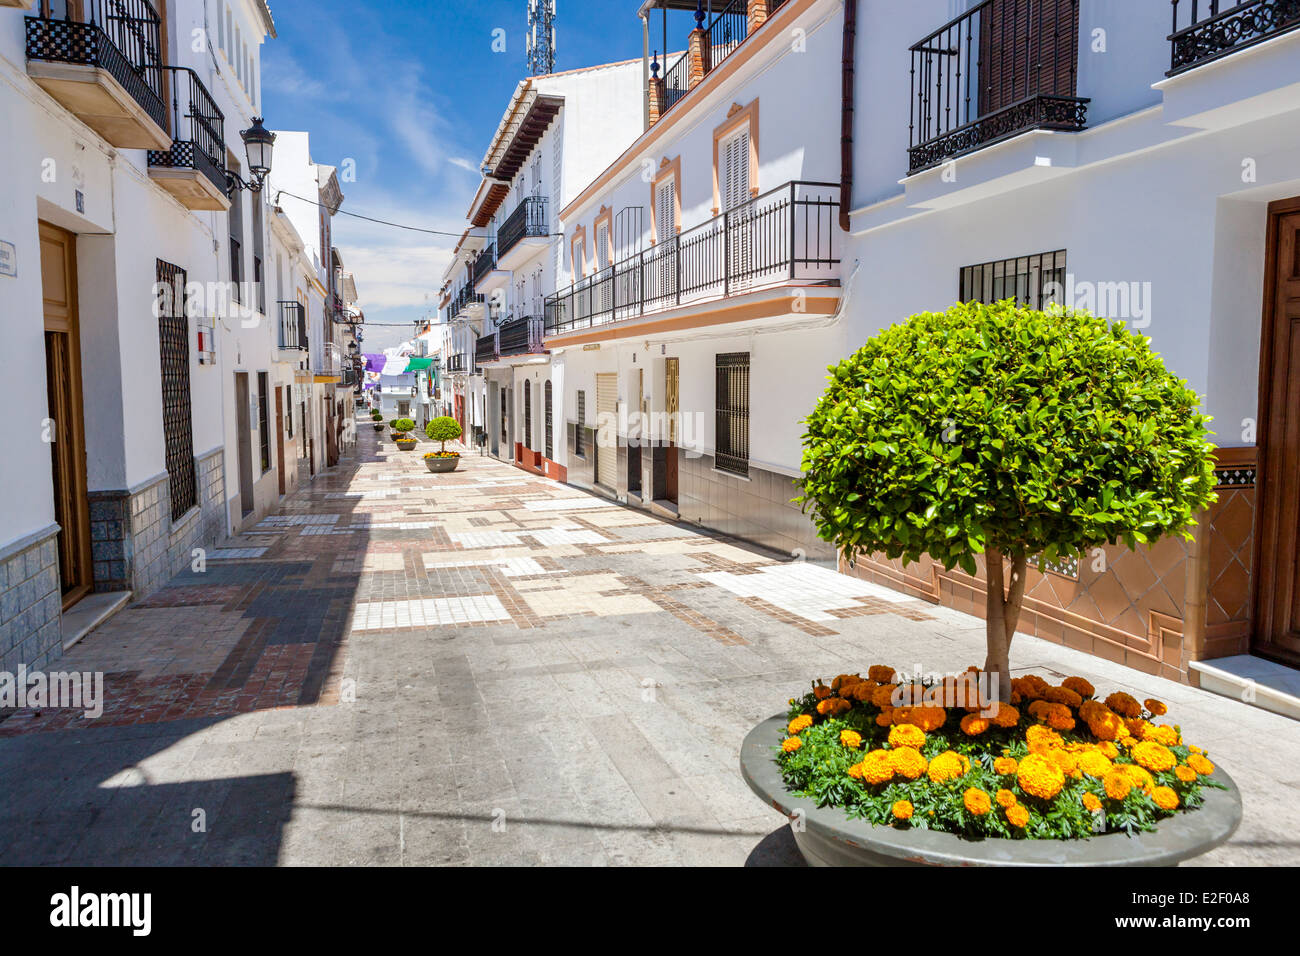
pixel 412 91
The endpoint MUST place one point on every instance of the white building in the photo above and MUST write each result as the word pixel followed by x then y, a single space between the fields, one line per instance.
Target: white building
pixel 1152 178
pixel 558 131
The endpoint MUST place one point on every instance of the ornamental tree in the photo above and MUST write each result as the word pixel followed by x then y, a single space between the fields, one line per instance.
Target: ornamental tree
pixel 1007 432
pixel 443 429
pixel 403 425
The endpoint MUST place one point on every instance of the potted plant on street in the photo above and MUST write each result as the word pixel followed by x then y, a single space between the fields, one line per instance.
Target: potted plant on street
pixel 996 435
pixel 402 428
pixel 377 417
pixel 442 430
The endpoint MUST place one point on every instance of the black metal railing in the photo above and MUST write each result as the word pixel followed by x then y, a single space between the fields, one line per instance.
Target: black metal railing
pixel 731 423
pixel 1206 30
pixel 457 362
pixel 464 297
pixel 787 234
pixel 522 336
pixel 484 263
pixel 1004 67
pixel 197 128
pixel 726 32
pixel 123 37
pixel 485 349
pixel 293 326
pixel 528 221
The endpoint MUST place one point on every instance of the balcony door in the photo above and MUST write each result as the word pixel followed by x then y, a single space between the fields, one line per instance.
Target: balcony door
pixel 66 429
pixel 1027 47
pixel 665 237
pixel 1277 611
pixel 606 431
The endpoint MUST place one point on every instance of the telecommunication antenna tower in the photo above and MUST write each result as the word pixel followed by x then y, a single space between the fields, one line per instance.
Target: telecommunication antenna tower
pixel 541 37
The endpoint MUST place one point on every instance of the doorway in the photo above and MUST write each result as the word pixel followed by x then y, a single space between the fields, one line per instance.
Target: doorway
pixel 672 381
pixel 1277 593
pixel 279 433
pixel 606 436
pixel 66 425
pixel 244 426
pixel 494 426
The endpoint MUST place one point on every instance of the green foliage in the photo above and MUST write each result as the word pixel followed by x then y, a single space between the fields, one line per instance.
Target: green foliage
pixel 999 427
pixel 403 425
pixel 376 415
pixel 443 429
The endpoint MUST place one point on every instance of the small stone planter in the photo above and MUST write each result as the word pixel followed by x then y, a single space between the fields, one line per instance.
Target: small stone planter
pixel 405 444
pixel 826 836
pixel 379 426
pixel 442 465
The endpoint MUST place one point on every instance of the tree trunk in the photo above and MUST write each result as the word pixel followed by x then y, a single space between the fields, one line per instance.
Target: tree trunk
pixel 1002 613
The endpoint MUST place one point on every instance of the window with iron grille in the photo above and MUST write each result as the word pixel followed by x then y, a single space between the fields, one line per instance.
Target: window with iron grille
pixel 264 420
pixel 1027 279
pixel 733 413
pixel 174 355
pixel 581 406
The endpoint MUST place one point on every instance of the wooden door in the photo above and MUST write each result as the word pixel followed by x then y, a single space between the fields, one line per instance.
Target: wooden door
pixel 1277 594
pixel 607 436
pixel 671 383
pixel 279 434
pixel 244 429
pixel 66 426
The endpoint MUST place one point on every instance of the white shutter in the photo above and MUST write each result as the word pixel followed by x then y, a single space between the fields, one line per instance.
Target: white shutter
pixel 665 232
pixel 605 285
pixel 735 196
pixel 606 416
pixel 735 158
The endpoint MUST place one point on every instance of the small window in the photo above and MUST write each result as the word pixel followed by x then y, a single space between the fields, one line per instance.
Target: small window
pixel 1033 281
pixel 578 447
pixel 733 413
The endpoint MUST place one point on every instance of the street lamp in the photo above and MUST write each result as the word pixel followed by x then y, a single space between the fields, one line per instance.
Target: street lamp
pixel 259 142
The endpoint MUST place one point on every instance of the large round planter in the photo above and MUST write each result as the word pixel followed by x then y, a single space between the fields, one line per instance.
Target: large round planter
pixel 405 444
pixel 827 837
pixel 441 465
pixel 379 426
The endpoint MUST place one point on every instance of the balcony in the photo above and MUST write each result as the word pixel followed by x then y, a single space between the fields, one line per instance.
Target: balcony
pixel 293 326
pixel 1207 30
pixel 458 363
pixel 105 68
pixel 786 235
pixel 466 303
pixel 524 231
pixel 522 336
pixel 194 169
pixel 484 264
pixel 1001 69
pixel 485 350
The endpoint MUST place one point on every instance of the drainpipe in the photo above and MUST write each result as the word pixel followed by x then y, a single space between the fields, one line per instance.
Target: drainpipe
pixel 846 111
pixel 645 68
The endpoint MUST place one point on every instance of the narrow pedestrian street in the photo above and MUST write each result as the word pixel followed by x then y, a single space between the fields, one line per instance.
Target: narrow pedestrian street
pixel 489 667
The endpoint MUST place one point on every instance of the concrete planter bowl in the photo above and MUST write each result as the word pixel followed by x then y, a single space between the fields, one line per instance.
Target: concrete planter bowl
pixel 829 837
pixel 442 465
pixel 404 443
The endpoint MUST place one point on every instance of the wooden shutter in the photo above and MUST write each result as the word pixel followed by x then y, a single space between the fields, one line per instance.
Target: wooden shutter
pixel 1027 47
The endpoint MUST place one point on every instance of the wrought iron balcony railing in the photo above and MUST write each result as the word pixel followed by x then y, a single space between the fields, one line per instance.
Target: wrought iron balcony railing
pixel 527 221
pixel 485 349
pixel 293 326
pixel 123 37
pixel 1207 30
pixel 458 362
pixel 787 234
pixel 484 263
pixel 197 128
pixel 1003 67
pixel 465 297
pixel 522 336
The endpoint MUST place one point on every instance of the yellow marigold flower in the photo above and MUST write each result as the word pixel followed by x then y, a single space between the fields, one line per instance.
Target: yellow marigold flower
pixel 850 738
pixel 1108 749
pixel 1140 777
pixel 907 735
pixel 974 724
pixel 1117 784
pixel 976 801
pixel 908 762
pixel 1155 707
pixel 856 771
pixel 1080 686
pixel 791 744
pixel 1040 777
pixel 1124 704
pixel 878 767
pixel 1018 816
pixel 1007 716
pixel 1105 726
pixel 1091 803
pixel 1163 734
pixel 821 691
pixel 1004 766
pixel 1165 798
pixel 800 724
pixel 1041 738
pixel 947 766
pixel 1094 764
pixel 1185 774
pixel 1067 761
pixel 902 810
pixel 1155 757
pixel 1200 764
pixel 1006 798
pixel 1063 695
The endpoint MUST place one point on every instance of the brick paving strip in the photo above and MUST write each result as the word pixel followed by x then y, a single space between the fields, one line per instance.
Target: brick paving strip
pixel 487 667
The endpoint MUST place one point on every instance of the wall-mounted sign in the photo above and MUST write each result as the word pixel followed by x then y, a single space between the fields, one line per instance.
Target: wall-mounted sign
pixel 8 259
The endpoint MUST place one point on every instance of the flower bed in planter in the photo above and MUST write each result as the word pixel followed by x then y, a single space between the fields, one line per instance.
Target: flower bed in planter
pixel 890 772
pixel 441 461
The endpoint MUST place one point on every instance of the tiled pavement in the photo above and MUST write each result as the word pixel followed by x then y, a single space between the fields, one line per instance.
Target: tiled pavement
pixel 487 667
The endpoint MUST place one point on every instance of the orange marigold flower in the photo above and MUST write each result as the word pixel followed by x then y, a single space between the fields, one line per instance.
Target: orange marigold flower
pixel 1185 774
pixel 1117 784
pixel 976 801
pixel 844 680
pixel 1200 764
pixel 1154 707
pixel 974 724
pixel 833 706
pixel 856 771
pixel 947 766
pixel 885 718
pixel 1041 738
pixel 1140 777
pixel 1105 726
pixel 799 724
pixel 1080 686
pixel 1124 704
pixel 902 810
pixel 1165 798
pixel 1094 763
pixel 880 673
pixel 1109 749
pixel 1007 716
pixel 851 739
pixel 878 767
pixel 1018 816
pixel 908 762
pixel 1040 777
pixel 1004 766
pixel 1162 734
pixel 821 691
pixel 927 718
pixel 1091 803
pixel 1154 757
pixel 1063 695
pixel 907 735
pixel 883 696
pixel 1006 798
pixel 791 744
pixel 1067 761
